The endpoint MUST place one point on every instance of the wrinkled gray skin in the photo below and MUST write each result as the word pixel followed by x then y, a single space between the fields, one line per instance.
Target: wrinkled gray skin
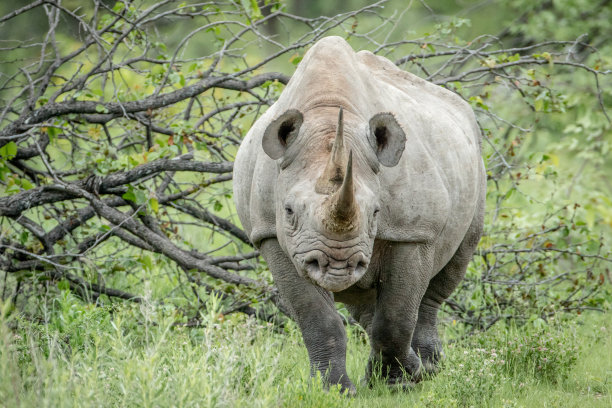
pixel 380 206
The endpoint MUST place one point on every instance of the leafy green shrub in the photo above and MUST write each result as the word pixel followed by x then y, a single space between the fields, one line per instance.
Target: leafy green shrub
pixel 469 377
pixel 544 352
pixel 548 354
pixel 476 369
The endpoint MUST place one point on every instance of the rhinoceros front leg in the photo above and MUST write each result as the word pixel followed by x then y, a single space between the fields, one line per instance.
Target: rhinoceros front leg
pixel 403 281
pixel 314 311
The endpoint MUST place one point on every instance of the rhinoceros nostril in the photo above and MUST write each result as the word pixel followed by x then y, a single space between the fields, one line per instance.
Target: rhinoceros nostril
pixel 361 267
pixel 315 264
pixel 356 265
pixel 312 266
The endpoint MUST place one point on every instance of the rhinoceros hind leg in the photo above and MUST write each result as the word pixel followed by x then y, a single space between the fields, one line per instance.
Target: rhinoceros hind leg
pixel 425 340
pixel 363 314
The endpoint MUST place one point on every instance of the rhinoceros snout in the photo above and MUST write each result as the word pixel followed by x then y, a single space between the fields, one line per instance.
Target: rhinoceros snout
pixel 331 274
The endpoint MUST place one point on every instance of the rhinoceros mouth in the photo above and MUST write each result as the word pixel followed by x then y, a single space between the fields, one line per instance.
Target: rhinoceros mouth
pixel 332 274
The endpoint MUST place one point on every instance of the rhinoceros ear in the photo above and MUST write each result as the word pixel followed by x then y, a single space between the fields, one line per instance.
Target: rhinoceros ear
pixel 387 138
pixel 281 133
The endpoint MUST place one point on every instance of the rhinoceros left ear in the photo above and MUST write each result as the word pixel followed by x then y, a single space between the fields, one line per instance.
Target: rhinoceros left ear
pixel 281 132
pixel 387 138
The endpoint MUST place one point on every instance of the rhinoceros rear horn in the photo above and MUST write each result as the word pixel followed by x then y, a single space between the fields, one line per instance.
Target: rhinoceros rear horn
pixel 333 173
pixel 387 138
pixel 281 132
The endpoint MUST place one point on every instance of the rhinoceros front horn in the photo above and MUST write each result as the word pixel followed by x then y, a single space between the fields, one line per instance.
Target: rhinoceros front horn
pixel 343 211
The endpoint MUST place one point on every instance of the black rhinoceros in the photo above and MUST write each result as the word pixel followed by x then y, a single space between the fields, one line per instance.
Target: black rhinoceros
pixel 363 184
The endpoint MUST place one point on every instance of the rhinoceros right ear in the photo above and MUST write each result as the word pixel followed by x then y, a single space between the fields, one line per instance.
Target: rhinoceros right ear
pixel 387 138
pixel 281 133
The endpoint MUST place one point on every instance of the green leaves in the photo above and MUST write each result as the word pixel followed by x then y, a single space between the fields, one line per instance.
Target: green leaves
pixel 154 204
pixel 141 198
pixel 295 59
pixel 8 151
pixel 177 78
pixel 53 131
pixel 477 100
pixel 15 184
pixel 252 9
pixel 118 7
pixel 147 262
pixel 217 206
pixel 101 108
pixel 135 195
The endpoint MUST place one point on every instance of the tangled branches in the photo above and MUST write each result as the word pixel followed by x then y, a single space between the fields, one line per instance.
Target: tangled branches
pixel 119 123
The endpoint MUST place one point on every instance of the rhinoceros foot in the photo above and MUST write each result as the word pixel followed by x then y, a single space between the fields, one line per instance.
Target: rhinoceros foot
pixel 398 373
pixel 335 378
pixel 348 389
pixel 429 349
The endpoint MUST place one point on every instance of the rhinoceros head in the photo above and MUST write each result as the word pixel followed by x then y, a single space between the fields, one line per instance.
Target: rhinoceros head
pixel 327 191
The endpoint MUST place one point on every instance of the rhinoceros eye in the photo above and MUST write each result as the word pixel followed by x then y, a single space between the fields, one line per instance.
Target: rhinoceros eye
pixel 290 217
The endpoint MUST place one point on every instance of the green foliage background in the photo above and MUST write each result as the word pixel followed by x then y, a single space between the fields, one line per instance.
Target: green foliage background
pixel 543 103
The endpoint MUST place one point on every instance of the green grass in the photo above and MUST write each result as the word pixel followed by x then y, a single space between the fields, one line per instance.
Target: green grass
pixel 131 355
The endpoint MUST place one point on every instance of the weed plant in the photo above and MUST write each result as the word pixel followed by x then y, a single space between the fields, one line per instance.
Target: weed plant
pixel 131 355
